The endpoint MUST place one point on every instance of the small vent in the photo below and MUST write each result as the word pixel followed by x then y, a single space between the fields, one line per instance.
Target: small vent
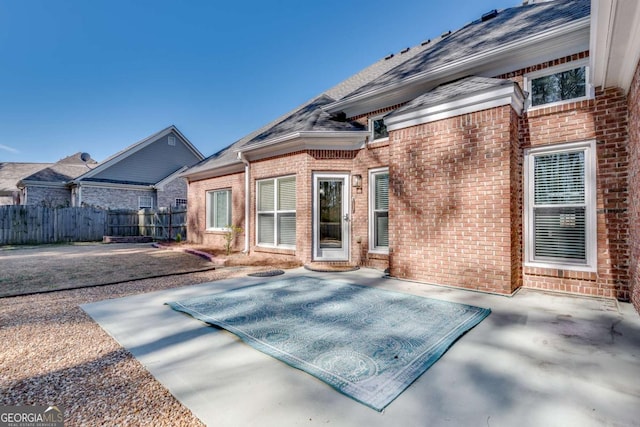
pixel 172 140
pixel 446 34
pixel 405 50
pixel 388 57
pixel 490 15
pixel 426 42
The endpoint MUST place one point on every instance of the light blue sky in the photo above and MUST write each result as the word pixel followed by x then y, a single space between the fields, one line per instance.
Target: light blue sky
pixel 98 76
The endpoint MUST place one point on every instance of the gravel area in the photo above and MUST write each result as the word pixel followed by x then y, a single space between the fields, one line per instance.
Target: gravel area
pixel 55 354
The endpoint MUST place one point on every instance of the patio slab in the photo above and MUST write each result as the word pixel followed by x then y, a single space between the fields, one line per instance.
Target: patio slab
pixel 538 359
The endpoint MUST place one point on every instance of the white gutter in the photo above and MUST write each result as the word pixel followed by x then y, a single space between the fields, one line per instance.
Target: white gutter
pixel 247 199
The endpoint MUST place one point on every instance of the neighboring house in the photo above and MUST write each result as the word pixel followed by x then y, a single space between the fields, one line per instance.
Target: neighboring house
pixel 49 185
pixel 10 174
pixel 144 175
pixel 505 154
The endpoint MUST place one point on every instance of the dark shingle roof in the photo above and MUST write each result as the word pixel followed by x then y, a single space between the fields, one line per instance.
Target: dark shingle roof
pixel 63 170
pixel 451 91
pixel 11 173
pixel 509 25
pixel 309 118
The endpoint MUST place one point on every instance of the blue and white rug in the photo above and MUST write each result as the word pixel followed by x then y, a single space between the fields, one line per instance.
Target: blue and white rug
pixel 367 343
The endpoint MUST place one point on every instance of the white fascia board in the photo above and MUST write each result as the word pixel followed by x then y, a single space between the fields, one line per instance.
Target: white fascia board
pixel 509 95
pixel 47 184
pixel 615 42
pixel 311 140
pixel 600 40
pixel 552 44
pixel 630 9
pixel 213 172
pixel 120 186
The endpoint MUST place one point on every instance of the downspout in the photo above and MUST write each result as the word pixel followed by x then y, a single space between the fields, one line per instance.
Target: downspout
pixel 247 200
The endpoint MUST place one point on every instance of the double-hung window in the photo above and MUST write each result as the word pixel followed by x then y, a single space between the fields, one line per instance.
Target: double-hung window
pixel 379 210
pixel 219 209
pixel 560 222
pixel 276 206
pixel 557 85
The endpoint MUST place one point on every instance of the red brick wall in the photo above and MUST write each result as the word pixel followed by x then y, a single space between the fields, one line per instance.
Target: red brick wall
pixel 634 189
pixel 196 220
pixel 302 164
pixel 450 215
pixel 372 157
pixel 603 119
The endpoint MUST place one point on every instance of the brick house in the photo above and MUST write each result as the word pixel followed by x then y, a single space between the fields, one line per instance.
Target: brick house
pixel 143 175
pixel 501 155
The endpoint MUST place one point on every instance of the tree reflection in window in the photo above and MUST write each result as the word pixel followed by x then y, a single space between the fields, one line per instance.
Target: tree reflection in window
pixel 560 86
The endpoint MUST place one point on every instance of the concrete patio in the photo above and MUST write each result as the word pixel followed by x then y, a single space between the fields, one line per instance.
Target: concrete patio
pixel 539 359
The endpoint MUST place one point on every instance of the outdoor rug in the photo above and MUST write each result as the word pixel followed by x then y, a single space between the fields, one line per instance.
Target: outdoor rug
pixel 367 343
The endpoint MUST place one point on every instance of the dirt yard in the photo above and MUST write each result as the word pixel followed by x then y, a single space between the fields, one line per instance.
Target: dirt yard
pixel 55 354
pixel 25 270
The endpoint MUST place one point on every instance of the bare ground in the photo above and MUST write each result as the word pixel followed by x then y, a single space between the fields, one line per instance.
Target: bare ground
pixel 54 267
pixel 55 354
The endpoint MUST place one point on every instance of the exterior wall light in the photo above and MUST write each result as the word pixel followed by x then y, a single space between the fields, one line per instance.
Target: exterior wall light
pixel 356 181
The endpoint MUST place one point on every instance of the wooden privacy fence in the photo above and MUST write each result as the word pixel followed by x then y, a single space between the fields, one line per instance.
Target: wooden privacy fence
pixel 38 224
pixel 169 224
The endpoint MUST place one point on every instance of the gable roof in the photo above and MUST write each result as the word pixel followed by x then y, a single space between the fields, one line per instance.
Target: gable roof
pixel 125 167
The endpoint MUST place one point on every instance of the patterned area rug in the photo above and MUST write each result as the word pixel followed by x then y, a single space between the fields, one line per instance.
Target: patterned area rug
pixel 367 343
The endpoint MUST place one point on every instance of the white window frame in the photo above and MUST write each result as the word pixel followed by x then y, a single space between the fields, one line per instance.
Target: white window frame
pixel 372 203
pixel 276 212
pixel 589 90
pixel 211 210
pixel 371 136
pixel 591 238
pixel 142 205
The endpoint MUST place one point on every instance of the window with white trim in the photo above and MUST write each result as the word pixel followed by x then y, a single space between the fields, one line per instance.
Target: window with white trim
pixel 558 85
pixel 218 210
pixel 145 202
pixel 181 202
pixel 378 129
pixel 379 210
pixel 560 207
pixel 276 212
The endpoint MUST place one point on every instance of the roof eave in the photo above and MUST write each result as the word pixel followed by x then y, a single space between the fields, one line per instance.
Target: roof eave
pixel 558 42
pixel 481 100
pixel 48 184
pixel 213 172
pixel 615 42
pixel 306 140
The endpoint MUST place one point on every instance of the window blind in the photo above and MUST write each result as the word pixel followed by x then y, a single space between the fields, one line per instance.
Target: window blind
pixel 559 211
